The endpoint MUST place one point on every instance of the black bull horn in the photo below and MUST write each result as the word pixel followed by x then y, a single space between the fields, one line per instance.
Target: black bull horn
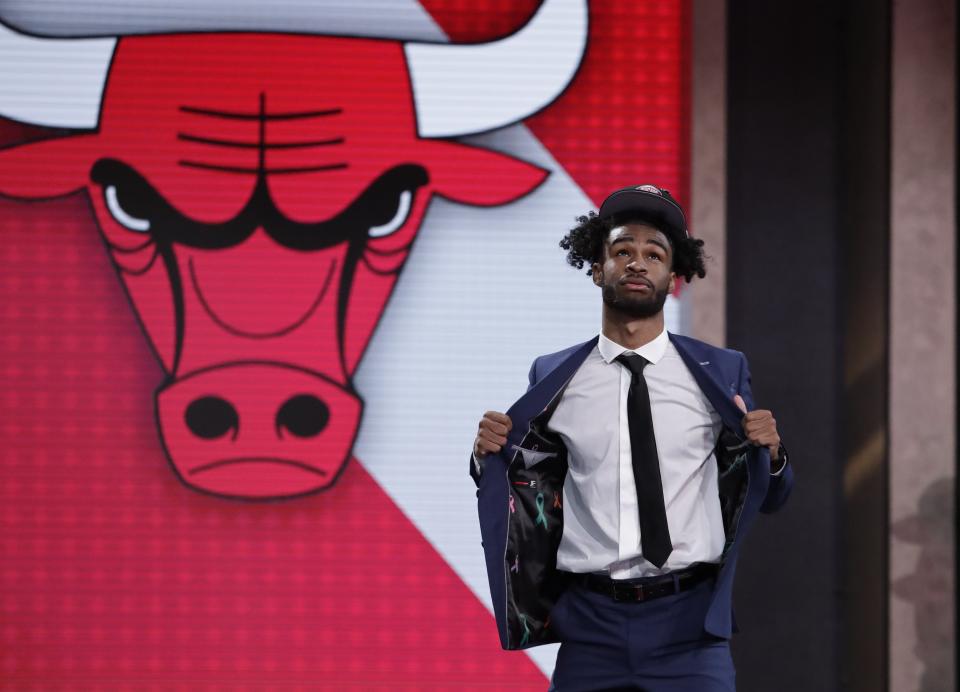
pixel 457 89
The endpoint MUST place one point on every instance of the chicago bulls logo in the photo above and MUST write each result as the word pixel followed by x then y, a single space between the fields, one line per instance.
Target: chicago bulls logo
pixel 258 206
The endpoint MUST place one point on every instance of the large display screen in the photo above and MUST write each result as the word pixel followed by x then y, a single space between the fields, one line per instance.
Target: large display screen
pixel 265 265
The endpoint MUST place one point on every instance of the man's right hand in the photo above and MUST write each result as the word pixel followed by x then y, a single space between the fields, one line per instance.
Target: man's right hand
pixel 492 434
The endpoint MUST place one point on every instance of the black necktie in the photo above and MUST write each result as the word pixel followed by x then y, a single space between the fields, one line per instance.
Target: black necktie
pixel 654 533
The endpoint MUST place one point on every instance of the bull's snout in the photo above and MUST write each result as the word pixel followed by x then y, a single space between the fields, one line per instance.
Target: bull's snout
pixel 257 430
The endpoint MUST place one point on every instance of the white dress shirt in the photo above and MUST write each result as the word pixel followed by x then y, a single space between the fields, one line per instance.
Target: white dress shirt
pixel 601 528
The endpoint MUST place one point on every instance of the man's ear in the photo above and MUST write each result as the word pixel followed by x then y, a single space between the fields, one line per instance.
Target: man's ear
pixel 596 273
pixel 672 286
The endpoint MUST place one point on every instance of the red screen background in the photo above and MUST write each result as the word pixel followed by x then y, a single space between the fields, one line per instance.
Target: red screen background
pixel 115 575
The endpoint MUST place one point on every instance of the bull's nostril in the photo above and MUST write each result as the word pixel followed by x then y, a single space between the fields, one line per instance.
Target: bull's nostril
pixel 303 415
pixel 210 417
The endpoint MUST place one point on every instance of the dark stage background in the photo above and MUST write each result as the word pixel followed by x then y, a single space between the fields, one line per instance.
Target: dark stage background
pixel 807 275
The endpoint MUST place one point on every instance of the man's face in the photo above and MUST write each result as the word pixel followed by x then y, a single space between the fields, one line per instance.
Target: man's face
pixel 635 275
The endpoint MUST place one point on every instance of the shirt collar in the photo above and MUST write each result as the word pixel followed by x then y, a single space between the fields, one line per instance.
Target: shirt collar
pixel 652 350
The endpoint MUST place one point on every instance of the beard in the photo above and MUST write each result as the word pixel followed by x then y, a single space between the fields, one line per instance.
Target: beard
pixel 632 305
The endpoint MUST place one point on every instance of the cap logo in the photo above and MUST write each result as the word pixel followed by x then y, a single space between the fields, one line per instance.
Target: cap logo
pixel 650 188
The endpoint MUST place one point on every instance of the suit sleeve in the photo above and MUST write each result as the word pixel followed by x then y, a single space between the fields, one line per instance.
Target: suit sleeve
pixel 476 465
pixel 781 483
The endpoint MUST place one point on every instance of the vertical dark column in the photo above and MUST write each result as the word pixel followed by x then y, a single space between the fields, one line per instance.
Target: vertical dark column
pixel 808 277
pixel 807 238
pixel 783 295
pixel 864 284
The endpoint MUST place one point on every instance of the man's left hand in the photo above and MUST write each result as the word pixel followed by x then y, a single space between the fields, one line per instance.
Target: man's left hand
pixel 760 427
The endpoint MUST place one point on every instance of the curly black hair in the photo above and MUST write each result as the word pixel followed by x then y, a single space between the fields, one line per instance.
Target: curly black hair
pixel 584 245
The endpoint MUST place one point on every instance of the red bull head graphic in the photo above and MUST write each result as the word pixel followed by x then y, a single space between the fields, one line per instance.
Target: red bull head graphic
pixel 258 194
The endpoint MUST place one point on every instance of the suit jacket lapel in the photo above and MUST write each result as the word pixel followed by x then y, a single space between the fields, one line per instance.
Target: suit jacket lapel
pixel 540 395
pixel 716 392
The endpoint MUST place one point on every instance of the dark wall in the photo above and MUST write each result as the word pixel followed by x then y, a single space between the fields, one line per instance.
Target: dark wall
pixel 864 284
pixel 807 182
pixel 783 267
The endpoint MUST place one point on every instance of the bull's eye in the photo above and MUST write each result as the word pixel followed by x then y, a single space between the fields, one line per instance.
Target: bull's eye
pixel 404 203
pixel 124 218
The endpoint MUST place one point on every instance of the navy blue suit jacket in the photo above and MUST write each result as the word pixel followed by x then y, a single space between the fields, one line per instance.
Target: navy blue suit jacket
pixel 520 490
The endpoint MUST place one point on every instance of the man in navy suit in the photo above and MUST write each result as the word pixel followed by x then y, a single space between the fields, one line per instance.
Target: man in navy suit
pixel 615 494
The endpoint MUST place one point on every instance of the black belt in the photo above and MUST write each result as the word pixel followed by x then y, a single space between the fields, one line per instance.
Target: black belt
pixel 648 588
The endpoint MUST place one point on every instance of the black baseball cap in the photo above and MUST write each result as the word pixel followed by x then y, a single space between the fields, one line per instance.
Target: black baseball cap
pixel 647 203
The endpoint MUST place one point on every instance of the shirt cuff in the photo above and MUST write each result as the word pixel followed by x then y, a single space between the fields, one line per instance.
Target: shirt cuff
pixel 782 460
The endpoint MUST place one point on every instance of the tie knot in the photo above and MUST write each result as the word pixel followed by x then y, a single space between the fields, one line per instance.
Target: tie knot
pixel 635 362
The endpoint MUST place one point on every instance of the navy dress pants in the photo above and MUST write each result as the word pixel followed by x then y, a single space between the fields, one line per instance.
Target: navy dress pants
pixel 656 646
